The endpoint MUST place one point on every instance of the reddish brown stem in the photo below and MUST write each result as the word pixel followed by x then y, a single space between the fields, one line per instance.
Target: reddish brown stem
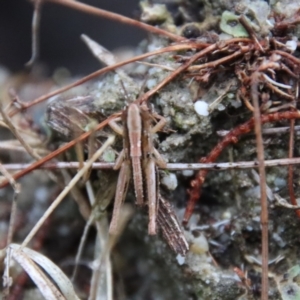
pixel 264 216
pixel 55 153
pixel 289 56
pixel 193 59
pixel 230 138
pixel 178 47
pixel 116 17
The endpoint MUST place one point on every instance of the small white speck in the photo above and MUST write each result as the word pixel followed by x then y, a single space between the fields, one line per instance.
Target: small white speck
pixel 221 107
pixel 151 83
pixel 187 173
pixel 292 45
pixel 170 181
pixel 270 22
pixel 201 108
pixel 226 215
pixel 180 259
pixel 236 104
pixel 200 244
pixel 256 219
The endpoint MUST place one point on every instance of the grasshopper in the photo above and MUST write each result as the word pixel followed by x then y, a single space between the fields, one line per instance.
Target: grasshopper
pixel 139 158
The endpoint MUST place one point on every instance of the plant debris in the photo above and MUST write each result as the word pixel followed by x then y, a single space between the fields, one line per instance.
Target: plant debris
pixel 225 54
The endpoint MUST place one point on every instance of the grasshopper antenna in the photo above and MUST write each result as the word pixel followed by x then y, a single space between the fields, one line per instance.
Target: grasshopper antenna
pixel 127 98
pixel 106 57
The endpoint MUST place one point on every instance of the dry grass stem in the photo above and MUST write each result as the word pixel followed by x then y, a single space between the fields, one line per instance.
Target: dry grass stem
pixel 55 153
pixel 275 130
pixel 178 47
pixel 262 173
pixel 17 188
pixel 170 166
pixel 66 190
pixel 12 128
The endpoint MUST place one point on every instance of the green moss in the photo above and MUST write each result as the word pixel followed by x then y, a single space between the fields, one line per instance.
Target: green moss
pixel 289 285
pixel 230 24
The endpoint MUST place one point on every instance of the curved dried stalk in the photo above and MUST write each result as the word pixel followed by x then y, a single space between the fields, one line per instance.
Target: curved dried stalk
pixel 178 47
pixel 116 17
pixel 230 138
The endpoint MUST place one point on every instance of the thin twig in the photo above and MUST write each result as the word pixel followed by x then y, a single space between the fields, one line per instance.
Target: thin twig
pixel 275 130
pixel 220 61
pixel 263 194
pixel 171 166
pixel 77 196
pixel 279 91
pixel 289 56
pixel 163 67
pixel 81 245
pixel 103 255
pixel 116 17
pixel 178 47
pixel 14 145
pixel 27 147
pixel 187 64
pixel 279 201
pixel 232 137
pixel 284 86
pixel 55 153
pixel 270 194
pixel 251 32
pixel 12 128
pixel 290 169
pixel 16 186
pixel 291 154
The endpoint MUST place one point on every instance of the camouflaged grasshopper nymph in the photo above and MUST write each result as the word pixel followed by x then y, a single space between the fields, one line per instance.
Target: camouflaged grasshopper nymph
pixel 139 158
